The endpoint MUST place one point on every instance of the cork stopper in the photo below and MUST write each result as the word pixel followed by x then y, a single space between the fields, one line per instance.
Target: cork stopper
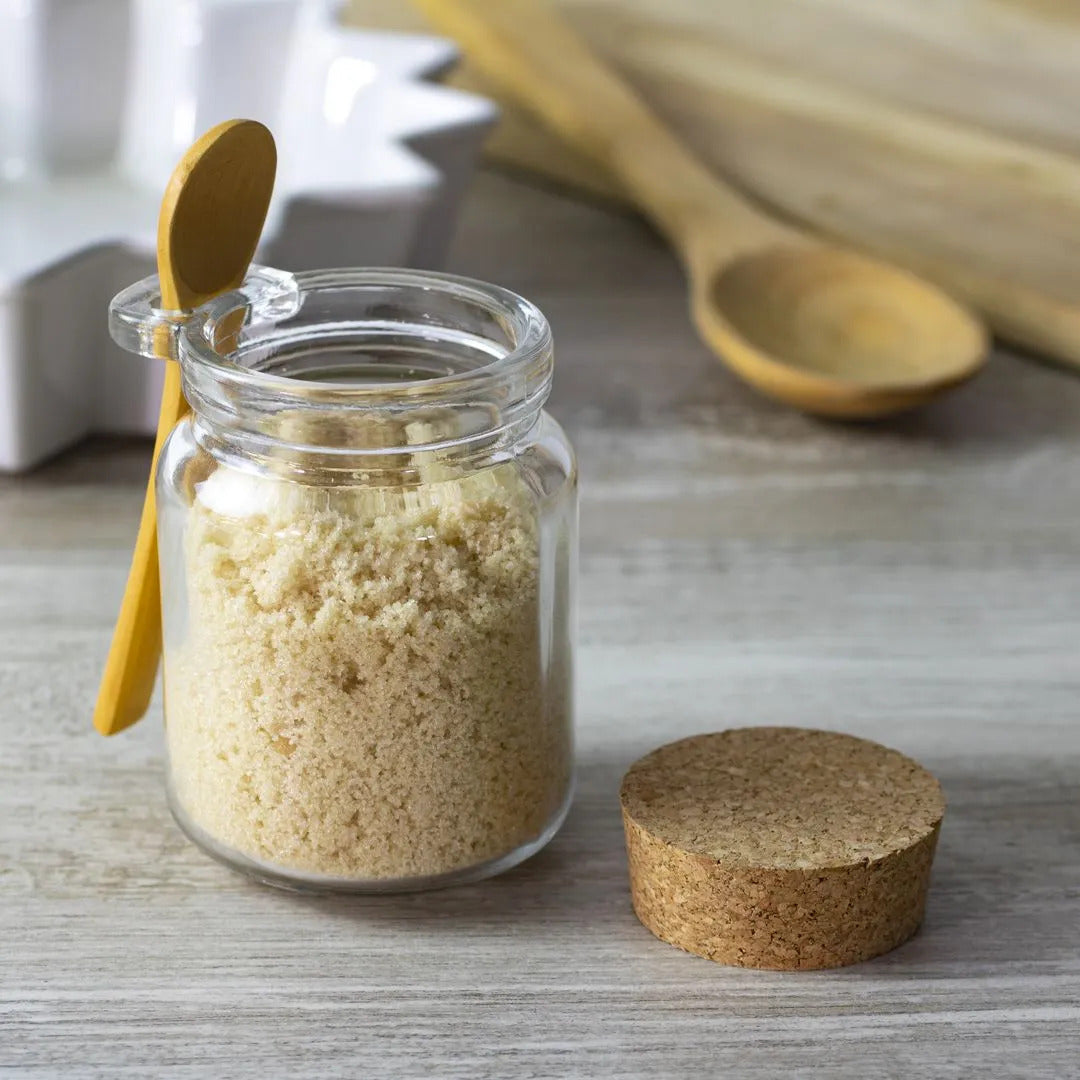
pixel 780 848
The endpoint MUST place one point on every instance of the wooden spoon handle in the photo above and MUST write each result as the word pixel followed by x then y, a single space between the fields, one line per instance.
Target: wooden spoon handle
pixel 530 52
pixel 131 666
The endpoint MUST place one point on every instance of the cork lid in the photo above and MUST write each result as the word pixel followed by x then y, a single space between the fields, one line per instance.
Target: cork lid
pixel 726 832
pixel 785 798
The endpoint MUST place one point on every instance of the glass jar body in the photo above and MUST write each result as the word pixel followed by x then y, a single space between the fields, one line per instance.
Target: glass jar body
pixel 369 666
pixel 369 687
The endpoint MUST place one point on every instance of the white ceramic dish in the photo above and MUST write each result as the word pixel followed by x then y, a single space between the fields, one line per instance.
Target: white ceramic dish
pixel 373 159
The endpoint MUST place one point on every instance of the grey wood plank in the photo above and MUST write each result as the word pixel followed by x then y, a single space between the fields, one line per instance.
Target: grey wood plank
pixel 914 583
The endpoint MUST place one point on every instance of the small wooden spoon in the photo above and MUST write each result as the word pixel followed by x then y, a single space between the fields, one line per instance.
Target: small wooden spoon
pixel 819 327
pixel 211 219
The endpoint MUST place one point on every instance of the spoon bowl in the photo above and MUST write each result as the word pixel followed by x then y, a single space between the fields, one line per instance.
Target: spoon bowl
pixel 834 333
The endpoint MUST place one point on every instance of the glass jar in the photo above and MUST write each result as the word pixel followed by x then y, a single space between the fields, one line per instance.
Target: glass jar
pixel 367 535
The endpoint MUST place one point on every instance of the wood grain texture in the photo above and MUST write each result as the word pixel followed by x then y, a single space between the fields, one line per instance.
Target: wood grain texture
pixel 999 65
pixel 914 583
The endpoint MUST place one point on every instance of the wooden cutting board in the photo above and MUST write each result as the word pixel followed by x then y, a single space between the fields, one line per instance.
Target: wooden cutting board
pixel 943 136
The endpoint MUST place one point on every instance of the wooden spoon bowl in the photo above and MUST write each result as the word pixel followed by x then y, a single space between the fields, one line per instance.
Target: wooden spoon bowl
pixel 834 333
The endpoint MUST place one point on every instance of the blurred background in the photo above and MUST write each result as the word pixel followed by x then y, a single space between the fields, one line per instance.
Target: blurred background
pixel 941 137
pixel 911 579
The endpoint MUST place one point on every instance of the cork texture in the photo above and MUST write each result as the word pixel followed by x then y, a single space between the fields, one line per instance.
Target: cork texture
pixel 782 848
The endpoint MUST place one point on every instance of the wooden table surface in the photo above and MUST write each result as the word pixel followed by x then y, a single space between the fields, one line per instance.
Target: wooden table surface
pixel 917 582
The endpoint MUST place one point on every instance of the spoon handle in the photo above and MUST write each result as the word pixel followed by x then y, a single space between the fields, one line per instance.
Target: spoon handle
pixel 131 666
pixel 211 218
pixel 532 54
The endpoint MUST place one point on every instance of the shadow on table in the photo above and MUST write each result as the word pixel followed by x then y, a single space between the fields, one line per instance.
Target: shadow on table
pixel 581 875
pixel 1015 402
pixel 1004 891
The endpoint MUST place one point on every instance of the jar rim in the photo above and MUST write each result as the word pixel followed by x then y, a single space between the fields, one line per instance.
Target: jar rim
pixel 482 402
pixel 519 370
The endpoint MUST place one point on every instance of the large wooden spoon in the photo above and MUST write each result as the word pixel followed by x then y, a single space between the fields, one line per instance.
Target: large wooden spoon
pixel 211 219
pixel 820 327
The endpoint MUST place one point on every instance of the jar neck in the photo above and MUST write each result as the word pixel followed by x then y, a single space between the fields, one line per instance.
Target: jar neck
pixel 341 447
pixel 370 371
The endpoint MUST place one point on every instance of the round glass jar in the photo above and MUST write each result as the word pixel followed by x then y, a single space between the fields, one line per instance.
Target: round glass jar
pixel 367 533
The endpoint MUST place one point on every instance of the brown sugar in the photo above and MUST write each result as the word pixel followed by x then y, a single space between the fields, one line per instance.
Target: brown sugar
pixel 358 689
pixel 780 847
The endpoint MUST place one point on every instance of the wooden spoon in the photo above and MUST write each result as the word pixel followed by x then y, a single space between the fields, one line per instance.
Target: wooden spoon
pixel 819 327
pixel 211 219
